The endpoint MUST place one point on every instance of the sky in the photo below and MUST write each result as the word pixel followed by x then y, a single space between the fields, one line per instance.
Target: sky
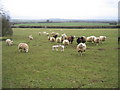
pixel 63 9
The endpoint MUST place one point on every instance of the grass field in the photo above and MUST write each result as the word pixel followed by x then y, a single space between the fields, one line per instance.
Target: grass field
pixel 65 24
pixel 43 68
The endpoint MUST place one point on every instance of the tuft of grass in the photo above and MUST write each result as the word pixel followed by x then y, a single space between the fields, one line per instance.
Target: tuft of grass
pixel 43 68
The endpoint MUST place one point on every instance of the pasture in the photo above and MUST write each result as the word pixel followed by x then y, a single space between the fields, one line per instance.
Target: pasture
pixel 65 24
pixel 43 68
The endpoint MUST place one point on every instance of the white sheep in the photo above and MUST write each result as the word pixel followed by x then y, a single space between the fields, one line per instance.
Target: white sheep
pixel 9 42
pixel 58 39
pixel 23 47
pixel 90 39
pixel 44 33
pixel 102 38
pixel 81 47
pixel 96 40
pixel 66 42
pixel 30 37
pixel 53 33
pixel 52 39
pixel 58 46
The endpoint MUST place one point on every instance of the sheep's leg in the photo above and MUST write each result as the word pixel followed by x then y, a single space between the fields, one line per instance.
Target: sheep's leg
pixel 56 49
pixel 81 53
pixel 53 48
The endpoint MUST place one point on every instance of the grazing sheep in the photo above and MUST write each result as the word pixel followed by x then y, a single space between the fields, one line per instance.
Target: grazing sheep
pixel 52 39
pixel 9 42
pixel 23 47
pixel 102 38
pixel 90 39
pixel 30 37
pixel 81 47
pixel 65 42
pixel 58 46
pixel 70 39
pixel 55 36
pixel 81 39
pixel 96 40
pixel 58 40
pixel 64 37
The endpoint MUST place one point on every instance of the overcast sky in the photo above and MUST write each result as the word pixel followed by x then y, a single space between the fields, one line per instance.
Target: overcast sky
pixel 65 9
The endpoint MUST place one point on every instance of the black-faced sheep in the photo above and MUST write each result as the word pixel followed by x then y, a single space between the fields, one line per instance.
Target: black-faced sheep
pixel 81 47
pixel 81 39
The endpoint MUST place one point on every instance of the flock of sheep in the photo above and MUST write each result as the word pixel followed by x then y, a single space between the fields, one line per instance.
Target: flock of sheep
pixel 62 41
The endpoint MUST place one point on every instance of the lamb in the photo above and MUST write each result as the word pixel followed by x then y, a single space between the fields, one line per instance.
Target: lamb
pixel 81 47
pixel 9 42
pixel 65 42
pixel 96 40
pixel 52 39
pixel 30 37
pixel 58 40
pixel 57 46
pixel 23 47
pixel 102 38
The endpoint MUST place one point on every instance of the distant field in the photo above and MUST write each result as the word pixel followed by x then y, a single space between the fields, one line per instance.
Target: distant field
pixel 43 68
pixel 65 24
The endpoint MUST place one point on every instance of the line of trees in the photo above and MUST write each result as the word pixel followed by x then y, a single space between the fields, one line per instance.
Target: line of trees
pixel 5 25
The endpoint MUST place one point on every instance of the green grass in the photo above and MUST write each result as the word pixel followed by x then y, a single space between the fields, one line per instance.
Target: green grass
pixel 41 67
pixel 66 24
